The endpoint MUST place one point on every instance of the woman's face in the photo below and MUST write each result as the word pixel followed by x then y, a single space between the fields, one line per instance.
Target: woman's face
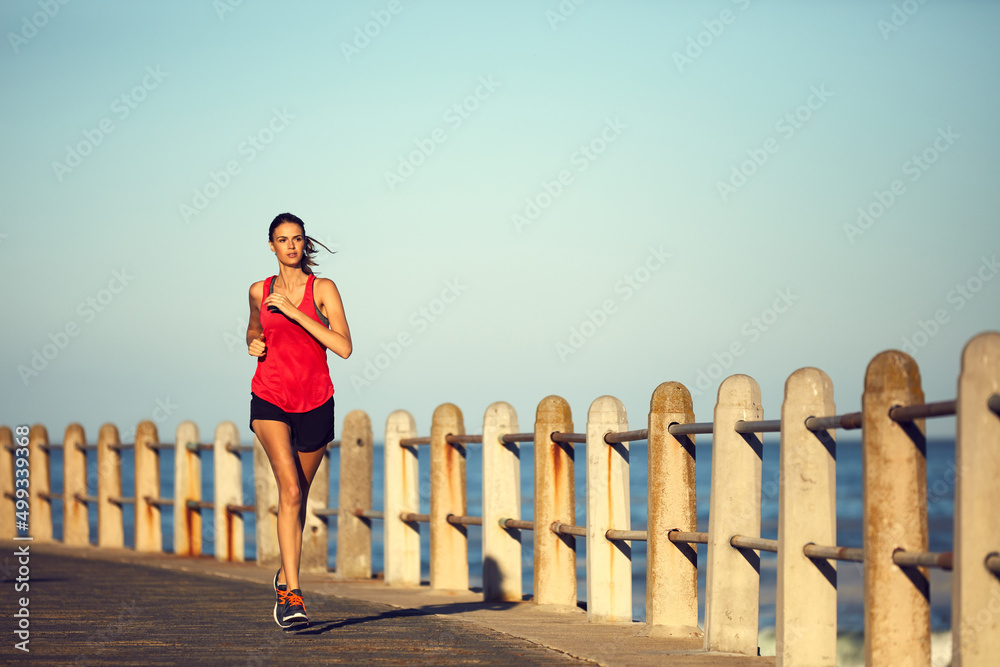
pixel 289 243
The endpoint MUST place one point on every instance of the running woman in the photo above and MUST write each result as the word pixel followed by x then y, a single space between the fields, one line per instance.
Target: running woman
pixel 295 318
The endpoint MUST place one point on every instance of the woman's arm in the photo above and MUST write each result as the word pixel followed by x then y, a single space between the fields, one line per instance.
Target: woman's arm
pixel 338 337
pixel 255 339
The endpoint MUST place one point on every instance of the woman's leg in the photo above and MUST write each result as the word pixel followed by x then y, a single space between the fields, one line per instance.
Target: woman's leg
pixel 275 437
pixel 308 464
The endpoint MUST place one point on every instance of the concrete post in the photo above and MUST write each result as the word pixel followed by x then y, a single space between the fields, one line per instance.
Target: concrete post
pixel 266 500
pixel 354 533
pixel 315 557
pixel 671 569
pixel 148 526
pixel 732 591
pixel 807 513
pixel 7 523
pixel 110 523
pixel 76 523
pixel 609 563
pixel 555 500
pixel 449 543
pixel 501 498
pixel 897 602
pixel 402 494
pixel 975 590
pixel 187 486
pixel 229 542
pixel 40 520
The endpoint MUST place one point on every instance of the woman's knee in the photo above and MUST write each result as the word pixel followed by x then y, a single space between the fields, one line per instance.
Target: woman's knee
pixel 290 494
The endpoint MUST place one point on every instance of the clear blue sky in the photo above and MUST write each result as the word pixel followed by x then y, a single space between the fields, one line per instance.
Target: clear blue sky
pixel 494 177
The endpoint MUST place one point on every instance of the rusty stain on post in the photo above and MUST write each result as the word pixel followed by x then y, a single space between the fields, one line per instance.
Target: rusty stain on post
pixel 110 527
pixel 449 562
pixel 555 501
pixel 76 523
pixel 187 488
pixel 228 474
pixel 897 606
pixel 148 526
pixel 671 506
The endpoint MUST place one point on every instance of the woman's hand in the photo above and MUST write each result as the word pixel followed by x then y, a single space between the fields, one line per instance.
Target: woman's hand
pixel 283 304
pixel 257 347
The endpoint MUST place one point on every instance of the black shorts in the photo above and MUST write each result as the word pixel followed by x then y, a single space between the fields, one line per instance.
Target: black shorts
pixel 311 430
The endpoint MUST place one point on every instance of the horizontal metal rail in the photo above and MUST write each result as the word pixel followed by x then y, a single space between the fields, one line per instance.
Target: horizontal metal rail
pixel 630 535
pixel 198 505
pixel 516 524
pixel 854 554
pixel 51 445
pixel 333 444
pixel 81 498
pixel 409 442
pixel 159 502
pixel 512 438
pixel 327 511
pixel 463 439
pixel 756 543
pixel 994 404
pixel 160 445
pixel 690 429
pixel 560 528
pixel 122 501
pixel 676 536
pixel 369 514
pixel 568 437
pixel 241 509
pixel 239 449
pixel 849 422
pixel 627 436
pixel 465 520
pixel 122 446
pixel 907 413
pixel 993 563
pixel 411 517
pixel 765 426
pixel 45 495
pixel 941 561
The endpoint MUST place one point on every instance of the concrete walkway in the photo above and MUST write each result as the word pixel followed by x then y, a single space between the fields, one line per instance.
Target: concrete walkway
pixel 117 607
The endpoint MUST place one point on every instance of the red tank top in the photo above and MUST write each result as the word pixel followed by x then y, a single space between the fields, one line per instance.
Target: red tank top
pixel 293 373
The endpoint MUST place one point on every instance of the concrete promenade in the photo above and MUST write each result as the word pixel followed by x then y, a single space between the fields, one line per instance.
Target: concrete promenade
pixel 117 607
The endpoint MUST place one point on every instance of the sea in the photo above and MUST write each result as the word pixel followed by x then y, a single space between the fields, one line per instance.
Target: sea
pixel 850 617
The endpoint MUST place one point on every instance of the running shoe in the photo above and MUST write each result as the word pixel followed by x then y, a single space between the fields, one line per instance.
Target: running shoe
pixel 280 602
pixel 295 609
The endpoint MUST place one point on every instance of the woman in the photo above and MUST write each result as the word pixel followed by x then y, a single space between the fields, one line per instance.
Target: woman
pixel 294 319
